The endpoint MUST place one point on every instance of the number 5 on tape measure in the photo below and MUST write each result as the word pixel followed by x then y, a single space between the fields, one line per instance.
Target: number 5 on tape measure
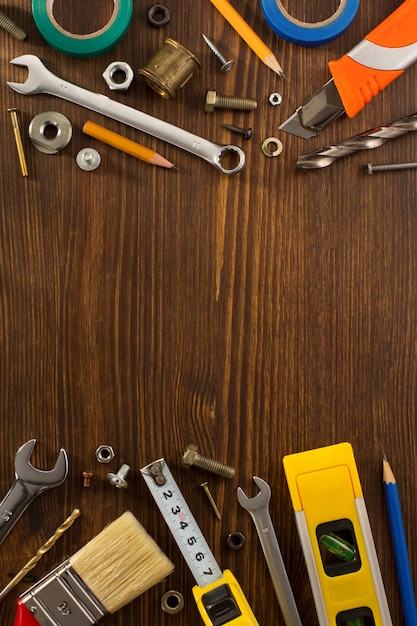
pixel 336 537
pixel 218 595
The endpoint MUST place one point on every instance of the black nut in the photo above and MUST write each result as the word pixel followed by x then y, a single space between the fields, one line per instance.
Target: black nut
pixel 158 15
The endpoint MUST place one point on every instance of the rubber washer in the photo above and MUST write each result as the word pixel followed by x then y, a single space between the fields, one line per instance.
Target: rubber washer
pixel 82 46
pixel 158 15
pixel 306 33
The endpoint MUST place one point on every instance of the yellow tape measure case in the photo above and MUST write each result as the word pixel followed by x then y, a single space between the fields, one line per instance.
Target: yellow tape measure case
pixel 336 537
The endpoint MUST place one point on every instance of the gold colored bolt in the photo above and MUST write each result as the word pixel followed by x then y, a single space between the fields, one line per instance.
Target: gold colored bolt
pixel 11 27
pixel 211 500
pixel 87 475
pixel 214 101
pixel 18 140
pixel 192 457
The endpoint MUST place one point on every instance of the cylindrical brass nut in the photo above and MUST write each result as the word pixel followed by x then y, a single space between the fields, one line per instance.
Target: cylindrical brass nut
pixel 169 69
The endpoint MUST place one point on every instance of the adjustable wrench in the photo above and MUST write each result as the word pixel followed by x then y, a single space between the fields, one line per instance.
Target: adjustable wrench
pixel 41 80
pixel 258 509
pixel 29 482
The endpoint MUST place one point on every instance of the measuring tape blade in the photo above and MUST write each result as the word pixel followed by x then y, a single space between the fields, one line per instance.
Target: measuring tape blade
pixel 181 523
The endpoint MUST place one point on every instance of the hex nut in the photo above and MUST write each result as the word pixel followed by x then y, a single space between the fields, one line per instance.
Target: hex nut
pixel 275 98
pixel 104 454
pixel 124 69
pixel 158 15
pixel 189 456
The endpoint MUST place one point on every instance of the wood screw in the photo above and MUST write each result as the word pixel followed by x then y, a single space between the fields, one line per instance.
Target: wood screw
pixel 211 500
pixel 225 65
pixel 245 132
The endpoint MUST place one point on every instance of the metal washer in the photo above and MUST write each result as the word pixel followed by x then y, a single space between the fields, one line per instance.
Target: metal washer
pixel 62 133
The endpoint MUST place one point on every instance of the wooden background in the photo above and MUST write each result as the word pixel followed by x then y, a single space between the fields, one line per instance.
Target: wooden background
pixel 253 315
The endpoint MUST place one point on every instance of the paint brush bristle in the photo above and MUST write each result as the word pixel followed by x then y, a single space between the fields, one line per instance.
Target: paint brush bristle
pixel 121 563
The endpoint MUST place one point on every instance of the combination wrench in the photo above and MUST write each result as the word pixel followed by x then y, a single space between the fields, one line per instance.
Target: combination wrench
pixel 259 511
pixel 41 80
pixel 29 482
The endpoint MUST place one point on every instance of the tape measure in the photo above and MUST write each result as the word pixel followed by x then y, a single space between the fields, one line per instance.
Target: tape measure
pixel 218 595
pixel 82 46
pixel 308 34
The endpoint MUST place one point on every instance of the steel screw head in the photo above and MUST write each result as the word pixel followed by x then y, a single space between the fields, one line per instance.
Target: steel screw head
pixel 119 480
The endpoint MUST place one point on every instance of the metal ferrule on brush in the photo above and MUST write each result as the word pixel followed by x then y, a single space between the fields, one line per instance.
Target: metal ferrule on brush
pixel 61 598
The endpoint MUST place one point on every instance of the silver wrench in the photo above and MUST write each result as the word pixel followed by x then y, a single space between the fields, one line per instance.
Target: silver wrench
pixel 41 80
pixel 29 482
pixel 259 511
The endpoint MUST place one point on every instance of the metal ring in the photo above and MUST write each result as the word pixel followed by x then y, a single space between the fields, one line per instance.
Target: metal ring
pixel 158 15
pixel 62 132
pixel 172 601
pixel 266 147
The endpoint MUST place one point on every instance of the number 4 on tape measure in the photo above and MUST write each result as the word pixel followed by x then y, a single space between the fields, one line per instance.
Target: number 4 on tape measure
pixel 218 595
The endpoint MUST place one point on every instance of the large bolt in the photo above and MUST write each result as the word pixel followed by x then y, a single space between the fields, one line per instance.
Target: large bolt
pixel 192 457
pixel 240 103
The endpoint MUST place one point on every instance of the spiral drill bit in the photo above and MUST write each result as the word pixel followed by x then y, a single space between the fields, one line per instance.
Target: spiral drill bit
pixel 368 140
pixel 39 554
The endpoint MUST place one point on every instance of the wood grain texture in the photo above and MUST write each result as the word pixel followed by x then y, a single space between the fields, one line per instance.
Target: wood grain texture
pixel 254 315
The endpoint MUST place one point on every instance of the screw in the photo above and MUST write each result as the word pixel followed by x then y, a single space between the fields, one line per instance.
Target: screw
pixel 214 101
pixel 18 140
pixel 211 500
pixel 119 480
pixel 192 457
pixel 390 166
pixel 88 159
pixel 87 475
pixel 11 27
pixel 226 65
pixel 245 132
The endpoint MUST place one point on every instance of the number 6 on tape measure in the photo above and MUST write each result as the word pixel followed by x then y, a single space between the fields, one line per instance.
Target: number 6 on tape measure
pixel 218 595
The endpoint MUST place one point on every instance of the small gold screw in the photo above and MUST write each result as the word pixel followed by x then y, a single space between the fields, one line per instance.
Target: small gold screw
pixel 18 140
pixel 211 500
pixel 87 475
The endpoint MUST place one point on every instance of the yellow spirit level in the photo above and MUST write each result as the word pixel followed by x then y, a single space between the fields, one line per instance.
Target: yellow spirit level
pixel 336 537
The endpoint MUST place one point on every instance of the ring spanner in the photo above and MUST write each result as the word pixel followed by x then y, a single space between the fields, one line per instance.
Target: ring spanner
pixel 41 80
pixel 29 482
pixel 258 509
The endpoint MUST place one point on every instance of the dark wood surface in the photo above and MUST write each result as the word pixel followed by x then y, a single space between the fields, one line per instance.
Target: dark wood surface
pixel 253 315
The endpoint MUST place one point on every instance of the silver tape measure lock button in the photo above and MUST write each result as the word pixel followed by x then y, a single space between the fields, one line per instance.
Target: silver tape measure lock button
pixel 82 46
pixel 308 34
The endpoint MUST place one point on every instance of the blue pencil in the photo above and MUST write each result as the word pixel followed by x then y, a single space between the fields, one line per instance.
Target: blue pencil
pixel 400 545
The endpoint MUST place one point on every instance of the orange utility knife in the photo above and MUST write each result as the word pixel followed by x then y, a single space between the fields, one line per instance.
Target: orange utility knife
pixel 360 74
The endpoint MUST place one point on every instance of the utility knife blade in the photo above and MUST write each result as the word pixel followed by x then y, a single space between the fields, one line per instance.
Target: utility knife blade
pixel 361 74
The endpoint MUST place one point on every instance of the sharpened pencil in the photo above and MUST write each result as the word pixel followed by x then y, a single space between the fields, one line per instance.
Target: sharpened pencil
pixel 126 145
pixel 248 35
pixel 400 545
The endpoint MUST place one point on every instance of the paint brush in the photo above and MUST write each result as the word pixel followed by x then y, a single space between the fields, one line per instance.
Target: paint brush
pixel 111 570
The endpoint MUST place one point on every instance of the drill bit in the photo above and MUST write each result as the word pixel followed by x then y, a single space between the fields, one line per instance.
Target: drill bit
pixel 39 554
pixel 370 139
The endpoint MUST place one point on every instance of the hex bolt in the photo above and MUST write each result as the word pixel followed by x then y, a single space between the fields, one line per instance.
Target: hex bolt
pixel 87 476
pixel 11 27
pixel 245 132
pixel 387 167
pixel 211 500
pixel 239 103
pixel 119 480
pixel 225 65
pixel 192 457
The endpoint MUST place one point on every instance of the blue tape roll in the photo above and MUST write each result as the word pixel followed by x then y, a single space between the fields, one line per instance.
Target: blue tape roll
pixel 82 46
pixel 308 34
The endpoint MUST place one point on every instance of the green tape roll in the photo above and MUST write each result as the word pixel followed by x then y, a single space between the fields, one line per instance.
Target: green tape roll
pixel 82 46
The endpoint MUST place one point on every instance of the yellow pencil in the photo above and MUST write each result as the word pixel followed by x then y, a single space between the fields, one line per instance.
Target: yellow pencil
pixel 245 31
pixel 125 145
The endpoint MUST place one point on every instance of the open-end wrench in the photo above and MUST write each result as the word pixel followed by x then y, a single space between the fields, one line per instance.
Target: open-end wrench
pixel 259 511
pixel 41 80
pixel 29 482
